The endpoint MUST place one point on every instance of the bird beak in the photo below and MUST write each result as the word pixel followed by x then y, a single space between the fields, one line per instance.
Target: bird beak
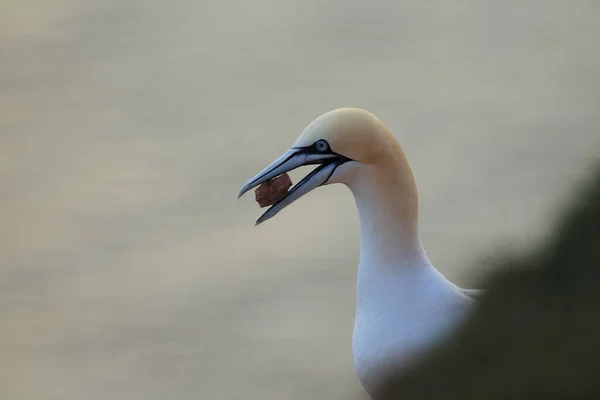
pixel 292 159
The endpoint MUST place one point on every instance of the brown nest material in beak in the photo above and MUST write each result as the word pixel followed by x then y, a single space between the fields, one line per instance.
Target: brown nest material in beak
pixel 273 190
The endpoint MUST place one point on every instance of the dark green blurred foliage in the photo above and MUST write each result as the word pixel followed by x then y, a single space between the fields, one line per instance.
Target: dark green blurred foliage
pixel 536 332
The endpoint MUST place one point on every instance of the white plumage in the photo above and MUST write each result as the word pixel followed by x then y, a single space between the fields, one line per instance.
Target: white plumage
pixel 404 305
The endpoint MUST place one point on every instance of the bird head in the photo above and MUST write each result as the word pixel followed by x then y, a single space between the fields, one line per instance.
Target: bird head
pixel 341 142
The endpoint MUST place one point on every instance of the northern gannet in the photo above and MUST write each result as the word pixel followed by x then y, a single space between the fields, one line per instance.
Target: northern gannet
pixel 404 305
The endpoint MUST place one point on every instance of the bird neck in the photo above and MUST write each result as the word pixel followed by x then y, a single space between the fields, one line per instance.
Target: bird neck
pixel 387 202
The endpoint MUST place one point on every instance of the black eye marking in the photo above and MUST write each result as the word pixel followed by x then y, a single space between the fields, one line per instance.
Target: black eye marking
pixel 322 146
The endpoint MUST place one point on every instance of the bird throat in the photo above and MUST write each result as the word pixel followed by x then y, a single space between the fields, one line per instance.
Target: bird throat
pixel 387 202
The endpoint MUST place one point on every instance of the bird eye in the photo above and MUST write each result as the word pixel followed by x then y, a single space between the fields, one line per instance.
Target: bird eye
pixel 321 146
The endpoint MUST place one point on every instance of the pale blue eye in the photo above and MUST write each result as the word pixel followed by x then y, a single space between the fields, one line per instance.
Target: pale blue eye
pixel 321 146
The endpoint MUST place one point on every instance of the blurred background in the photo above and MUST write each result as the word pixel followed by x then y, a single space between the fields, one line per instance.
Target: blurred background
pixel 128 269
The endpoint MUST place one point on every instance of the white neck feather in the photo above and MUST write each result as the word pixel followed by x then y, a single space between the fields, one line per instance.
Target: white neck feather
pixel 388 213
pixel 403 303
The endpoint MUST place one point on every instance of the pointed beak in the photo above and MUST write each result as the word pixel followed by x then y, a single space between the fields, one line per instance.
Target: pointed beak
pixel 292 159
